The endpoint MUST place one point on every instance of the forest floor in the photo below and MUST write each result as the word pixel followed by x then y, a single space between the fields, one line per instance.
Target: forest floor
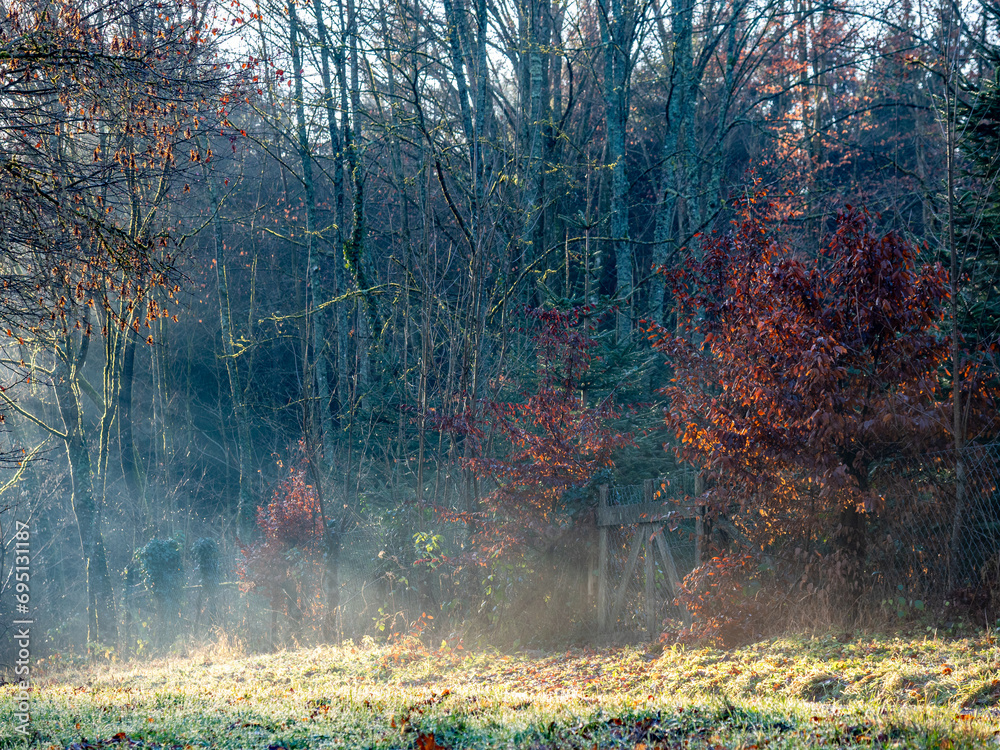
pixel 803 692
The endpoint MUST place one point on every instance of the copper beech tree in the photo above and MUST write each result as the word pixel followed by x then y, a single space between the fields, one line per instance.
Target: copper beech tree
pixel 795 373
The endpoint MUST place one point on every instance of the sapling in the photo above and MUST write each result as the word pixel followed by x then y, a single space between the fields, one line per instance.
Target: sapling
pixel 206 552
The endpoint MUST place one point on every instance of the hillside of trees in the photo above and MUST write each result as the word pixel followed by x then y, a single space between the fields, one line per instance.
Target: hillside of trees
pixel 299 298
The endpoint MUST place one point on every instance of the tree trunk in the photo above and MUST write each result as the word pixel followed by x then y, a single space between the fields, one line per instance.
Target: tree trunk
pixel 340 213
pixel 674 181
pixel 102 623
pixel 533 143
pixel 331 582
pixel 132 468
pixel 852 545
pixel 957 405
pixel 245 502
pixel 616 42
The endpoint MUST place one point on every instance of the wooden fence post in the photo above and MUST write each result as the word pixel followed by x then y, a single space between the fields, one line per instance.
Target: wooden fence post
pixel 648 528
pixel 602 564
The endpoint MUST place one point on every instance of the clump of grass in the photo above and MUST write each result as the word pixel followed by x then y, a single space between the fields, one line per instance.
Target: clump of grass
pixel 818 686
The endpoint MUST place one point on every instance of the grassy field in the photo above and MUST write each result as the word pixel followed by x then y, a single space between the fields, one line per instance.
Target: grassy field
pixel 789 693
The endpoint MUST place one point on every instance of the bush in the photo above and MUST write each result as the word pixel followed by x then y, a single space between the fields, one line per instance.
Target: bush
pixel 728 601
pixel 164 571
pixel 286 566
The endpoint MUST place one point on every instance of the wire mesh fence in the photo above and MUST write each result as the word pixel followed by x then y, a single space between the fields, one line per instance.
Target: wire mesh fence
pixel 938 528
pixel 374 592
pixel 979 524
pixel 931 534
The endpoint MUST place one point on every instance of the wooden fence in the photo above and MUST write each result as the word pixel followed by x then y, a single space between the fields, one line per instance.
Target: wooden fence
pixel 647 527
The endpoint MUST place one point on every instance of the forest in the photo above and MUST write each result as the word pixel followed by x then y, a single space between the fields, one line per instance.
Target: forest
pixel 346 318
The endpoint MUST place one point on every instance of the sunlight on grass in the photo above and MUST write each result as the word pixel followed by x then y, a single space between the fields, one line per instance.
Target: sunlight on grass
pixel 787 693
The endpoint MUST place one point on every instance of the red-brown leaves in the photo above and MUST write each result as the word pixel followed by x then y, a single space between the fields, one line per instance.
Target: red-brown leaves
pixel 796 371
pixel 723 598
pixel 556 440
pixel 292 518
pixel 428 742
pixel 292 528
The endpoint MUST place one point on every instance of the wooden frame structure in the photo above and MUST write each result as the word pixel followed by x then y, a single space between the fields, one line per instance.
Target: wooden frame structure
pixel 649 518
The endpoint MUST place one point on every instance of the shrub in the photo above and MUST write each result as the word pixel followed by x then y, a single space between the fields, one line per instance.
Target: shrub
pixel 164 572
pixel 286 565
pixel 728 602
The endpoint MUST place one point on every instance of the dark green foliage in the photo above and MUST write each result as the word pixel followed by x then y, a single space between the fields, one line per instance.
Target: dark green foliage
pixel 161 562
pixel 977 217
pixel 164 570
pixel 206 552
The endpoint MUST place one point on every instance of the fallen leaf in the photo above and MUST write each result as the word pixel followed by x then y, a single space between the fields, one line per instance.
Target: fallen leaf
pixel 428 742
